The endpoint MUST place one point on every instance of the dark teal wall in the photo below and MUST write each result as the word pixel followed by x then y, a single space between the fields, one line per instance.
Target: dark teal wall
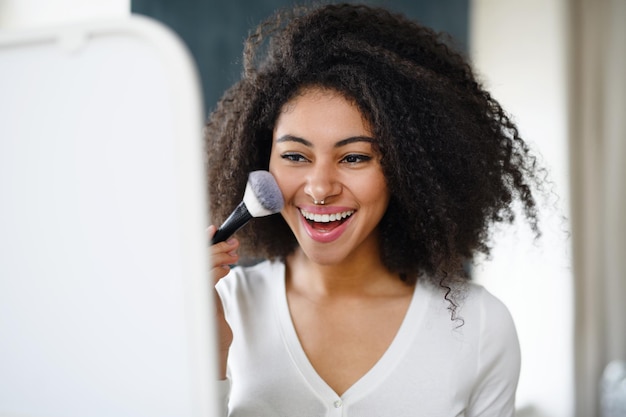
pixel 214 30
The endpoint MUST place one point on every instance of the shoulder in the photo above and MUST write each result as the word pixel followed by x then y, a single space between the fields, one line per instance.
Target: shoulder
pixel 481 319
pixel 498 356
pixel 485 311
pixel 497 343
pixel 243 282
pixel 475 305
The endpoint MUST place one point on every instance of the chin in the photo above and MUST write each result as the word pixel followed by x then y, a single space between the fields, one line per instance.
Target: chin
pixel 323 256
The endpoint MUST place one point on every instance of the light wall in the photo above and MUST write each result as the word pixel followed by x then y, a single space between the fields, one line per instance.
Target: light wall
pixel 520 50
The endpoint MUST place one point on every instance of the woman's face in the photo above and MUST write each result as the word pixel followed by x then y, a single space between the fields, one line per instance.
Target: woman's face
pixel 323 149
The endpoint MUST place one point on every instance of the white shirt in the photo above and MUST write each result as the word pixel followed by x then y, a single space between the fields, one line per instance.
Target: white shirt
pixel 434 366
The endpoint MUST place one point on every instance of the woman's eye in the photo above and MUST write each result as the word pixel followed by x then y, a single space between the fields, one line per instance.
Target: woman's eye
pixel 293 157
pixel 356 158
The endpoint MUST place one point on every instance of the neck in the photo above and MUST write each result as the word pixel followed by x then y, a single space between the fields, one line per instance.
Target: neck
pixel 362 278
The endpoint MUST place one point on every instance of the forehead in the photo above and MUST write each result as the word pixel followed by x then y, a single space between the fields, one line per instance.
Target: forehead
pixel 321 113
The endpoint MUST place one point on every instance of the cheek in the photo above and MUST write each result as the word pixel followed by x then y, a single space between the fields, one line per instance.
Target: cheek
pixel 378 197
pixel 284 181
pixel 373 188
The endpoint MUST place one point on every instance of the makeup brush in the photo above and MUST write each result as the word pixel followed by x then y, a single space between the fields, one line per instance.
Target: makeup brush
pixel 262 197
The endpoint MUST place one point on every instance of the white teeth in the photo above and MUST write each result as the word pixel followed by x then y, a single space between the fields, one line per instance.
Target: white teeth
pixel 326 218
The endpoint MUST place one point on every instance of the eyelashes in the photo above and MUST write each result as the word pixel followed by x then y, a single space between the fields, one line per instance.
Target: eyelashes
pixel 351 159
pixel 294 157
pixel 356 158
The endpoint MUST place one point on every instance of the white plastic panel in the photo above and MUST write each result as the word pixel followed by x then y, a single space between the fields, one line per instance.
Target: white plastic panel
pixel 105 304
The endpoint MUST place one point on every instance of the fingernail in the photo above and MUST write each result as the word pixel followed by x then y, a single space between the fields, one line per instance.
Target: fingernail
pixel 231 242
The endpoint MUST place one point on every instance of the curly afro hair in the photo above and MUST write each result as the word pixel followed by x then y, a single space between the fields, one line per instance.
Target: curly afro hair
pixel 453 159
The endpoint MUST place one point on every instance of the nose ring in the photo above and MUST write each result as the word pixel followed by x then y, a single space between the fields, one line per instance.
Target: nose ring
pixel 318 203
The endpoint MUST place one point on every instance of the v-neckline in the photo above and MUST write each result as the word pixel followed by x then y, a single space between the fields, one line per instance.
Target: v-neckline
pixel 376 375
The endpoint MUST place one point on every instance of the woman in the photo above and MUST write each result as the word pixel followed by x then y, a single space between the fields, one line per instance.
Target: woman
pixel 394 163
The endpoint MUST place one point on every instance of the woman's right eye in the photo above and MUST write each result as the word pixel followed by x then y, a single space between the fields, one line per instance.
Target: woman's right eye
pixel 294 157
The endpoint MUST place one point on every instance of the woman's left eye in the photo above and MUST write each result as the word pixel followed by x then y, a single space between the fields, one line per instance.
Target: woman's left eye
pixel 355 158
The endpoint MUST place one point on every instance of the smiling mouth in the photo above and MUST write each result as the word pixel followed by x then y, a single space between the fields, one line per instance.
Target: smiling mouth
pixel 326 222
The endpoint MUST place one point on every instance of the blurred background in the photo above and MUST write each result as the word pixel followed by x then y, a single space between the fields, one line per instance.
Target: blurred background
pixel 215 30
pixel 557 66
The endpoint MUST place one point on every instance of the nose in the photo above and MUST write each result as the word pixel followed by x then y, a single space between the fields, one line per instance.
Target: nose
pixel 322 182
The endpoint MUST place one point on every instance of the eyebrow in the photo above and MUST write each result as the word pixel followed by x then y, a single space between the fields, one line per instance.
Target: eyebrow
pixel 343 142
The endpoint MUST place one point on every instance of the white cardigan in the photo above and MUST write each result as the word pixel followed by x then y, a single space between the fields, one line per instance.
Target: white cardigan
pixel 435 367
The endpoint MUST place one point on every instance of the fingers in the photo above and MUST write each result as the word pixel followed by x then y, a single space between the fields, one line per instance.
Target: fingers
pixel 222 254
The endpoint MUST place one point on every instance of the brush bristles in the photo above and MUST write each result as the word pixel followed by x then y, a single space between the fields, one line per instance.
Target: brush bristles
pixel 262 196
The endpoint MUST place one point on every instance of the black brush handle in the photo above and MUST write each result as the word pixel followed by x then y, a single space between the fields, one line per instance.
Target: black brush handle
pixel 237 219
